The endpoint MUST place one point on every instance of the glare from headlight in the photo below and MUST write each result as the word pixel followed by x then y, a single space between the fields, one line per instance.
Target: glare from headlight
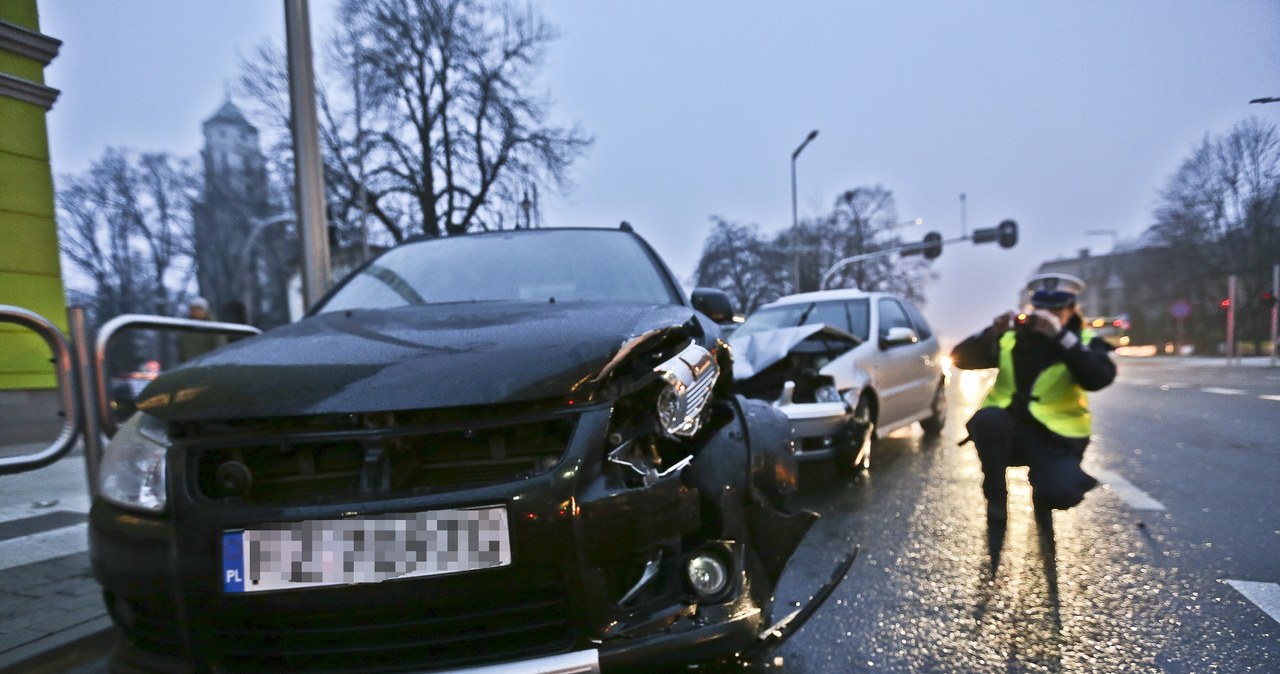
pixel 132 471
pixel 706 574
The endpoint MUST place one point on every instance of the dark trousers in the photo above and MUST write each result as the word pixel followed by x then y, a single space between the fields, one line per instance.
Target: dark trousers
pixel 1002 440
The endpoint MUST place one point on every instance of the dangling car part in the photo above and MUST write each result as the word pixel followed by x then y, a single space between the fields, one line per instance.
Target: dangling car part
pixel 493 452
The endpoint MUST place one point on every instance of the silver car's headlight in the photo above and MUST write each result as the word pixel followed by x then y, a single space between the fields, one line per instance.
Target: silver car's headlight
pixel 689 378
pixel 132 472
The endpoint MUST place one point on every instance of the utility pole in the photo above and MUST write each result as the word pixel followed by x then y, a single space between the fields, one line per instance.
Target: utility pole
pixel 1231 318
pixel 313 228
pixel 795 218
pixel 1275 309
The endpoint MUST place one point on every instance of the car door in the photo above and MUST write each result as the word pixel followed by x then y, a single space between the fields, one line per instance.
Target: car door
pixel 902 381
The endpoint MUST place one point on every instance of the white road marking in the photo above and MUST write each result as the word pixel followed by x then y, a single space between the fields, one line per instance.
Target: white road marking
pixel 1265 596
pixel 1275 398
pixel 1134 497
pixel 44 545
pixel 1223 391
pixel 1172 385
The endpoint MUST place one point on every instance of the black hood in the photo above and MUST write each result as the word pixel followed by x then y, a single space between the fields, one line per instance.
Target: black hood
pixel 418 357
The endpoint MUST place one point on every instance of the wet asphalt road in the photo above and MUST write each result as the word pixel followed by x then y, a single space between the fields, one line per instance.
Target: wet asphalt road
pixel 1111 588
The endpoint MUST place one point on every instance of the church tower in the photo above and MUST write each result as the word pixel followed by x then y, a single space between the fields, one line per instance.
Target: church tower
pixel 236 198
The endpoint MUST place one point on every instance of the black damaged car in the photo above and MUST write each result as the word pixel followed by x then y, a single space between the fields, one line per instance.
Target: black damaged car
pixel 510 451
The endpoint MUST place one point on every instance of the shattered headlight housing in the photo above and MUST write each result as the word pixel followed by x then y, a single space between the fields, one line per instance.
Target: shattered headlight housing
pixel 132 471
pixel 689 378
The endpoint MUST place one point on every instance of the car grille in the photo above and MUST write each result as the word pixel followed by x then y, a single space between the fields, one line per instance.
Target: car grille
pixel 463 626
pixel 480 623
pixel 300 464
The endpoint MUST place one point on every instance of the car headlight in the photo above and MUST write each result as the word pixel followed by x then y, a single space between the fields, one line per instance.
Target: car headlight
pixel 827 394
pixel 706 575
pixel 689 378
pixel 132 471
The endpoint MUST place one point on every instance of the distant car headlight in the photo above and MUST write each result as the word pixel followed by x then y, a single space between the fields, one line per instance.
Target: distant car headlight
pixel 689 378
pixel 132 471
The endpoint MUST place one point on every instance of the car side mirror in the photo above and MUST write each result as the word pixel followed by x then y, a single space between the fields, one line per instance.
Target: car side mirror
pixel 898 335
pixel 715 303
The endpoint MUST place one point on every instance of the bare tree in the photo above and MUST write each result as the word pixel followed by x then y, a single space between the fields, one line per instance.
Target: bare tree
pixel 738 261
pixel 1219 214
pixel 449 136
pixel 862 220
pixel 125 233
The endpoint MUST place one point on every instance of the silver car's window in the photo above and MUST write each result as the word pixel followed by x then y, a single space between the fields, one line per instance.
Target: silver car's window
pixel 891 316
pixel 565 265
pixel 847 315
pixel 923 331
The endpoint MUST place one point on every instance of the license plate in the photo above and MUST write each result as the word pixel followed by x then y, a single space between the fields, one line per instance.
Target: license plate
pixel 314 553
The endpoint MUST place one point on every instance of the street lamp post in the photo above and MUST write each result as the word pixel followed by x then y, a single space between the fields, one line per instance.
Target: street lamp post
pixel 795 218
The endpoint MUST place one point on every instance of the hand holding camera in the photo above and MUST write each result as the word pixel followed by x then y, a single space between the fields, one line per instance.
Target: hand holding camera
pixel 1041 321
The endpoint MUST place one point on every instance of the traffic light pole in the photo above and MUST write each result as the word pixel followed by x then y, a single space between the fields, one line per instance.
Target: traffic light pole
pixel 1006 234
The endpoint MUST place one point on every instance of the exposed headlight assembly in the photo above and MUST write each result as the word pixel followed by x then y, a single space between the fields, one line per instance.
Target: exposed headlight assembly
pixel 132 471
pixel 689 377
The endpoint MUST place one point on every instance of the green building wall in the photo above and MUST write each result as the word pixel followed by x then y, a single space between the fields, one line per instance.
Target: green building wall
pixel 30 270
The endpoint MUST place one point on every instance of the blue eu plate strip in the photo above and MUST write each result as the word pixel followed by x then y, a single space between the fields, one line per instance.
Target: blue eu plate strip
pixel 233 561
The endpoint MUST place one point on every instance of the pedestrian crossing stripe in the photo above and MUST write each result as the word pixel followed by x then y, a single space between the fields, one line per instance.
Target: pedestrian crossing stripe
pixel 1265 596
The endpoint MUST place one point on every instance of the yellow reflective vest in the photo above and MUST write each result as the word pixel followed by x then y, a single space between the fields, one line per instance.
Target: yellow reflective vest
pixel 1057 401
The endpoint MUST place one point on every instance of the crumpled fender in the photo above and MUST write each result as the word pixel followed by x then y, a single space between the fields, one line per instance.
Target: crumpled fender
pixel 744 473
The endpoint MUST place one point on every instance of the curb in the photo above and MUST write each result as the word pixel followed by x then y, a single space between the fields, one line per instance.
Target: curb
pixel 59 652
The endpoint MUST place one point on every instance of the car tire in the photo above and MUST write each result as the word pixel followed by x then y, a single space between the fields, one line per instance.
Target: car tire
pixel 855 453
pixel 937 418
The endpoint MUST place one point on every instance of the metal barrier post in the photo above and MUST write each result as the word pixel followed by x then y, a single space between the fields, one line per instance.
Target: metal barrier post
pixel 108 332
pixel 88 376
pixel 71 414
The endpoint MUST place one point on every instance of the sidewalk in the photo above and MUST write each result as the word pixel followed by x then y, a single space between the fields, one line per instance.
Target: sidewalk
pixel 52 616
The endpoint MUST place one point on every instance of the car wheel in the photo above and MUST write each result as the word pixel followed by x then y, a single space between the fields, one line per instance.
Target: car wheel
pixel 937 418
pixel 855 453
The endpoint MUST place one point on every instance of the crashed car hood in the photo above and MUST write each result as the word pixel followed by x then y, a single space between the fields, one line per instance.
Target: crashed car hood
pixel 417 357
pixel 754 353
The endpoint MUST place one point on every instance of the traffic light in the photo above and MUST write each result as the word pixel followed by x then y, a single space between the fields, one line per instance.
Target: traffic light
pixel 1269 299
pixel 930 247
pixel 1225 304
pixel 1005 234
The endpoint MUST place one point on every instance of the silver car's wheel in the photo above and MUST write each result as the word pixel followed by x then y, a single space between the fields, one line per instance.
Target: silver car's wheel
pixel 937 418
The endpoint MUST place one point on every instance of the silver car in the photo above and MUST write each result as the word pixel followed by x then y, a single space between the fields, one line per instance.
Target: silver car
pixel 846 367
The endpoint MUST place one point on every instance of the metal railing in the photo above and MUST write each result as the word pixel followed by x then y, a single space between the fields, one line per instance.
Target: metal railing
pixel 62 364
pixel 82 380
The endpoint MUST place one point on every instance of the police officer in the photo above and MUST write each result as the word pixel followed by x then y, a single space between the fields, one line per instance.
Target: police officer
pixel 1037 413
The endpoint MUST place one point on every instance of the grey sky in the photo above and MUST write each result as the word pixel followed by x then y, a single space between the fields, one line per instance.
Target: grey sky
pixel 1066 117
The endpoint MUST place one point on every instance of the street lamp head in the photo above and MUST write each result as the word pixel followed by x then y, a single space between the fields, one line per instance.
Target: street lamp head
pixel 812 134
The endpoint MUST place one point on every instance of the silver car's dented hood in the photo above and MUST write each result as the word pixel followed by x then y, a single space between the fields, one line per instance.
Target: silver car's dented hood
pixel 755 352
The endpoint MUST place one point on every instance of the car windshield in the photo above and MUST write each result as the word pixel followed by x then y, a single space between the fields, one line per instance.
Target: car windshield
pixel 570 264
pixel 850 316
